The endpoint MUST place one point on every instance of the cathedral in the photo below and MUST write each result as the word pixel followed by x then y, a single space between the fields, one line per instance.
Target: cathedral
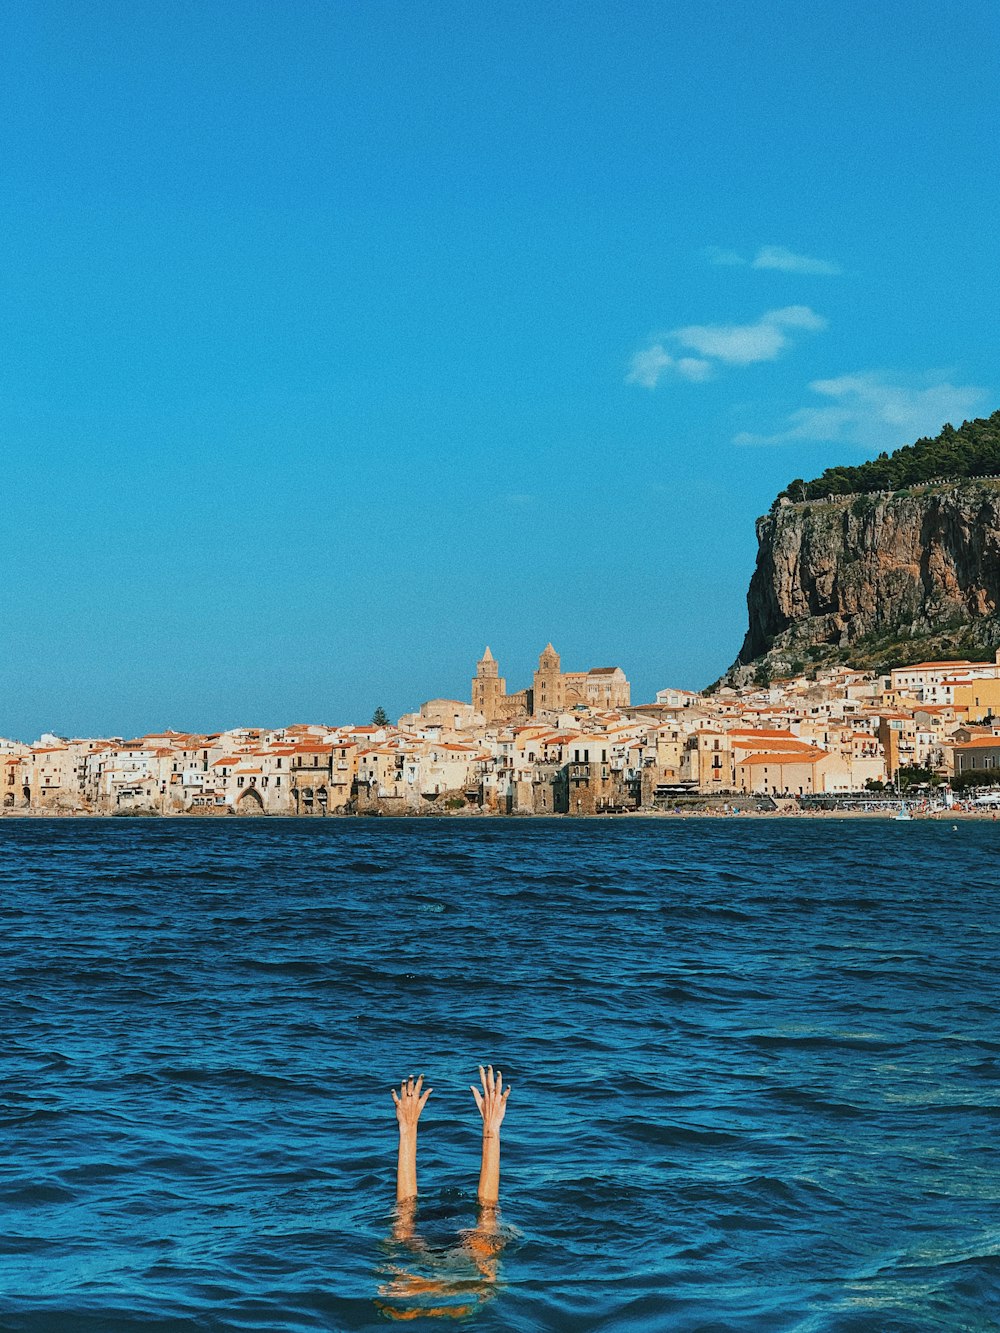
pixel 552 690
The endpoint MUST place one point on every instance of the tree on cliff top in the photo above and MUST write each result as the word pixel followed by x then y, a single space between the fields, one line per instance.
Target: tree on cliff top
pixel 973 450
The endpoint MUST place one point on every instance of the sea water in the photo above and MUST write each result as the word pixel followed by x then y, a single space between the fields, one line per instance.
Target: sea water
pixel 754 1069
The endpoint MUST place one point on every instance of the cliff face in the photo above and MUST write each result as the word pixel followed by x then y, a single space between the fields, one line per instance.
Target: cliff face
pixel 860 576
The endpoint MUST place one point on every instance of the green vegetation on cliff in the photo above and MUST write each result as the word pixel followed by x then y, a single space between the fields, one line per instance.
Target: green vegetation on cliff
pixel 973 450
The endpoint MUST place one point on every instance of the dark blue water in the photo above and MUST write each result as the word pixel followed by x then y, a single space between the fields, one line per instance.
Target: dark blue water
pixel 754 1071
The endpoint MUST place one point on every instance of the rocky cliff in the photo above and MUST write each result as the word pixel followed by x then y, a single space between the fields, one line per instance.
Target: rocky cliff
pixel 875 579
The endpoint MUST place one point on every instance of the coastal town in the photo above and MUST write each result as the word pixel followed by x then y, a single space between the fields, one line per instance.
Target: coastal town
pixel 571 743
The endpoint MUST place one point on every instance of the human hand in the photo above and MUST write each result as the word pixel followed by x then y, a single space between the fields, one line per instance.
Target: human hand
pixel 492 1101
pixel 409 1102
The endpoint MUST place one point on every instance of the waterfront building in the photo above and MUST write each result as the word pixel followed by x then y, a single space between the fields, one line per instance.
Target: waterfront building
pixel 831 733
pixel 981 753
pixel 801 772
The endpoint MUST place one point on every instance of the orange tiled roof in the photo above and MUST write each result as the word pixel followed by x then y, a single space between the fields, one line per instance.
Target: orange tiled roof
pixel 763 731
pixel 810 755
pixel 956 662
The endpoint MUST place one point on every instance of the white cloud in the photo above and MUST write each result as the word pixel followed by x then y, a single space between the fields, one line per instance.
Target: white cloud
pixel 868 410
pixel 716 254
pixel 776 257
pixel 650 365
pixel 728 344
pixel 744 344
pixel 786 261
pixel 693 368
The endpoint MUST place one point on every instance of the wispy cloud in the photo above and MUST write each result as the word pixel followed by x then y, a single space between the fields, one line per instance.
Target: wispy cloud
pixel 743 344
pixel 650 365
pixel 786 261
pixel 776 257
pixel 716 254
pixel 721 344
pixel 869 410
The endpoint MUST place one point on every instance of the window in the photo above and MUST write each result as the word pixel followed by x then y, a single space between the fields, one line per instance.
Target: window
pixel 239 782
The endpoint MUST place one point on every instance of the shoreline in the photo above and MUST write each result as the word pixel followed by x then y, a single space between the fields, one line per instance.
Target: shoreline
pixel 927 817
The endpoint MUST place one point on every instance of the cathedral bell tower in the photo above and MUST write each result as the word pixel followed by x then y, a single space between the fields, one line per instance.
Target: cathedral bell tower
pixel 488 687
pixel 548 689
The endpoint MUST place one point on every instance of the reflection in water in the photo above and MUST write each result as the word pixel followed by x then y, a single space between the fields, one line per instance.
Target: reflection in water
pixel 455 1282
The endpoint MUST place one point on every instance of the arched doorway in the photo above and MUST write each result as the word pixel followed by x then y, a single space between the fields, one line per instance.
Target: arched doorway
pixel 250 803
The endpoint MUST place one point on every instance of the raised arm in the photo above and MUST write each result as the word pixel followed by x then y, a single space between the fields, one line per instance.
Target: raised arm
pixel 409 1104
pixel 492 1103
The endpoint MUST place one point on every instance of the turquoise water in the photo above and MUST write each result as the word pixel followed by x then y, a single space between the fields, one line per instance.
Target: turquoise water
pixel 754 1070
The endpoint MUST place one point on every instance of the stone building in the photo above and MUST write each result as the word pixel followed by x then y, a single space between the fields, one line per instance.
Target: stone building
pixel 553 690
pixel 595 784
pixel 981 753
pixel 489 692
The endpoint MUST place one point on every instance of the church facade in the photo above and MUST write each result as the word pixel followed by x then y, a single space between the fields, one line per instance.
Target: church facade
pixel 552 690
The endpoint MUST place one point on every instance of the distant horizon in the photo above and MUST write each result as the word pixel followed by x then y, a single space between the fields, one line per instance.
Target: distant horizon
pixel 278 726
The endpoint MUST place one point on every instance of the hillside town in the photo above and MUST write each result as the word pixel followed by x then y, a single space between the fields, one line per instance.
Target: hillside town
pixel 570 743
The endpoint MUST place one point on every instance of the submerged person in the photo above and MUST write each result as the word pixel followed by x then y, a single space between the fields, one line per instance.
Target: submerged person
pixel 468 1272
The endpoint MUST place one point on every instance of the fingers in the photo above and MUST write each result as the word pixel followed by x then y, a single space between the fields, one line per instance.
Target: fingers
pixel 411 1090
pixel 492 1083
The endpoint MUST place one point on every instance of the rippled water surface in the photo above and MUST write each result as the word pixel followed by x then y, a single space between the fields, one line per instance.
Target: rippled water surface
pixel 754 1071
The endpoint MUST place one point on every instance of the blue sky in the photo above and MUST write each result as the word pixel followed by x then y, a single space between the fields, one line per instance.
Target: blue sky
pixel 341 339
